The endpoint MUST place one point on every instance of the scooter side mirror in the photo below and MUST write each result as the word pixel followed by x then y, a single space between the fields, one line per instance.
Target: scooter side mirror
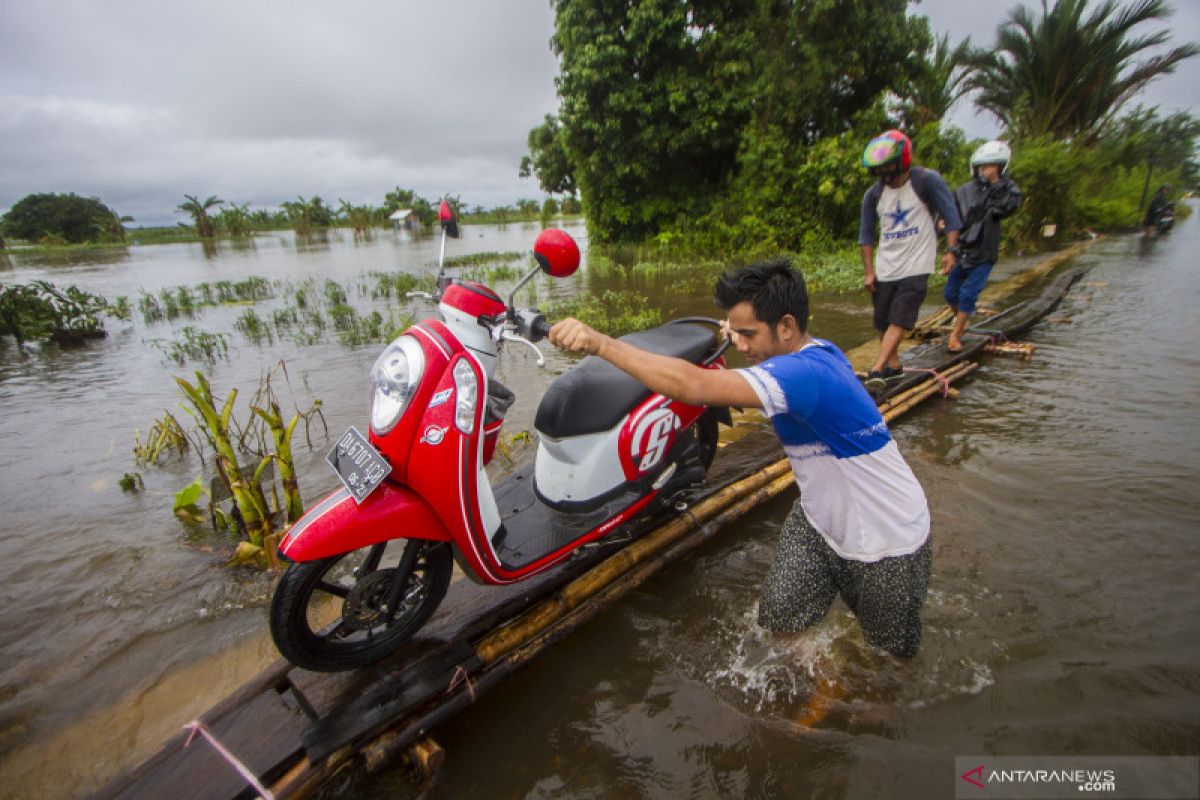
pixel 556 253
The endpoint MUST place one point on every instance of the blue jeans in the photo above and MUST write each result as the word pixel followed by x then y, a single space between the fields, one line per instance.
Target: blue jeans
pixel 964 285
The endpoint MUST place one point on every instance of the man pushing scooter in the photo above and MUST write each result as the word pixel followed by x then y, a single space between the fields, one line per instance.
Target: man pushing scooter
pixel 861 525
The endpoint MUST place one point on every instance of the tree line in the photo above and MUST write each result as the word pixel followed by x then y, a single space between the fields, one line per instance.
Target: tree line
pixel 59 219
pixel 736 126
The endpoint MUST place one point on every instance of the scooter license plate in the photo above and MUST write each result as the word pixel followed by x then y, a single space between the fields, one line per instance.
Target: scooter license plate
pixel 358 464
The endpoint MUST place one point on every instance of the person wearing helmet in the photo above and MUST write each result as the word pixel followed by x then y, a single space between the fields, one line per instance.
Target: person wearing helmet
pixel 1158 204
pixel 898 240
pixel 983 201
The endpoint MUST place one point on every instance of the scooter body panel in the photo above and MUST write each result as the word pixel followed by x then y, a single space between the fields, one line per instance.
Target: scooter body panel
pixel 338 525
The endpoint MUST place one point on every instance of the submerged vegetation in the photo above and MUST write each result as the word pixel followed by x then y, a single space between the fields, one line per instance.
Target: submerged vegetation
pixel 41 311
pixel 245 459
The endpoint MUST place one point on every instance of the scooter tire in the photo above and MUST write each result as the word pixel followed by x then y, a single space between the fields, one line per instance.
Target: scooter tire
pixel 352 641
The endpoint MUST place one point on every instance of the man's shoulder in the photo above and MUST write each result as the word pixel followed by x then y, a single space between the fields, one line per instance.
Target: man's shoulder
pixel 928 174
pixel 802 360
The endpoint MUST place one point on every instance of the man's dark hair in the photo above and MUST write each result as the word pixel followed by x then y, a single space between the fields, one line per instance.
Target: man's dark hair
pixel 774 288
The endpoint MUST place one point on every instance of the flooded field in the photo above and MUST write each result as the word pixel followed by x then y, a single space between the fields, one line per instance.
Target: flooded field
pixel 1061 619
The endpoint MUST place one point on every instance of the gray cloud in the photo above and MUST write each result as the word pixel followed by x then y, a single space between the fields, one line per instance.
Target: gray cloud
pixel 139 102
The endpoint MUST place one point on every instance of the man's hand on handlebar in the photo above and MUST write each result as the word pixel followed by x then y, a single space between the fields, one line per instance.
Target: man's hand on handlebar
pixel 576 337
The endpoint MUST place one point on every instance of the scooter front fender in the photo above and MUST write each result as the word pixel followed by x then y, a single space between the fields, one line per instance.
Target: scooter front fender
pixel 338 525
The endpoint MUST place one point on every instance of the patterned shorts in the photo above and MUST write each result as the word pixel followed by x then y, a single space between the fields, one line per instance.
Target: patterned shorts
pixel 885 595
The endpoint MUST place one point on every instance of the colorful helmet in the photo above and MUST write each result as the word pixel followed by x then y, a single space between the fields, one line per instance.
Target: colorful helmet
pixel 556 252
pixel 889 147
pixel 993 152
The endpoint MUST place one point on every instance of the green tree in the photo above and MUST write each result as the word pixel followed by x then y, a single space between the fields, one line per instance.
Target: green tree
pixel 66 217
pixel 1060 74
pixel 817 99
pixel 1143 138
pixel 236 221
pixel 670 107
pixel 548 159
pixel 306 215
pixel 940 82
pixel 650 126
pixel 198 209
pixel 398 198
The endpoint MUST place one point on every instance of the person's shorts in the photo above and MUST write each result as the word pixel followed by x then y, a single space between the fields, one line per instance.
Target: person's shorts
pixel 898 302
pixel 886 595
pixel 964 285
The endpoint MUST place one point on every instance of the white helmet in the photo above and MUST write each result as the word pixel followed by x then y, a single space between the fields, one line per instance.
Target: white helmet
pixel 993 152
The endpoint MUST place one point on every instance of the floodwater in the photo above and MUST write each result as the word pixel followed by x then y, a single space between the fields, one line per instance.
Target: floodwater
pixel 1061 617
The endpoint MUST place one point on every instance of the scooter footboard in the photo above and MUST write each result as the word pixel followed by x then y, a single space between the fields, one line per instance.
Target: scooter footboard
pixel 338 525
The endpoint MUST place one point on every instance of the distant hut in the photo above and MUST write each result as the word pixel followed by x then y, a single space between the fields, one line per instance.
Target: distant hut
pixel 405 219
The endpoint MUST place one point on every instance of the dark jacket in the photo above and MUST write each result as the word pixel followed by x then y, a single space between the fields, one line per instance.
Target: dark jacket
pixel 1158 204
pixel 982 206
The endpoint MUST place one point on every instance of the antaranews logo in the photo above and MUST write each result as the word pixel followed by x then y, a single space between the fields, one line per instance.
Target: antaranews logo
pixel 975 777
pixel 987 777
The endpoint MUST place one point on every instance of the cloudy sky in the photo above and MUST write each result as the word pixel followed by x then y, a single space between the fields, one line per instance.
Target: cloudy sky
pixel 140 102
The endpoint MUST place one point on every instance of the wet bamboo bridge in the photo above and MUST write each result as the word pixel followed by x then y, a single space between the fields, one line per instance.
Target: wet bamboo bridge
pixel 287 731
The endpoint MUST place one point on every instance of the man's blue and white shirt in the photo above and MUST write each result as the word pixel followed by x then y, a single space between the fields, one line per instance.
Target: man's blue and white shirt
pixel 855 487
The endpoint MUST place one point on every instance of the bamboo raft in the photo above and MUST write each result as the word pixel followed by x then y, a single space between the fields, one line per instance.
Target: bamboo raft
pixel 287 731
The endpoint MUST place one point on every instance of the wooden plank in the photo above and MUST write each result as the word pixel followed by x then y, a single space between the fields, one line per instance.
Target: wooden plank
pixel 263 733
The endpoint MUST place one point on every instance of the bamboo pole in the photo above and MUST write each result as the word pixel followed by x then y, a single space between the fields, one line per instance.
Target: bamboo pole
pixel 927 390
pixel 423 758
pixel 951 374
pixel 931 322
pixel 1012 348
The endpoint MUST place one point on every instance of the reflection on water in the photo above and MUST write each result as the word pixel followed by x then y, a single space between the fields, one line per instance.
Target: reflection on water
pixel 1061 618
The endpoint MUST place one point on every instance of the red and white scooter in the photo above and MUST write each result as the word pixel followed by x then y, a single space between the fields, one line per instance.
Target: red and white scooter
pixel 372 561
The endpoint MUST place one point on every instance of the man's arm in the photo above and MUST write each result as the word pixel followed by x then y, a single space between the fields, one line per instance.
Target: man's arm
pixel 868 220
pixel 1007 199
pixel 674 377
pixel 950 257
pixel 943 202
pixel 867 251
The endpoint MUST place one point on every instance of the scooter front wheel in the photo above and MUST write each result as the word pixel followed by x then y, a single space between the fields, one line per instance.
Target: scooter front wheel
pixel 350 610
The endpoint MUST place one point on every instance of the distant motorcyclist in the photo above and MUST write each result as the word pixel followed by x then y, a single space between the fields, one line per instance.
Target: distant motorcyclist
pixel 1160 203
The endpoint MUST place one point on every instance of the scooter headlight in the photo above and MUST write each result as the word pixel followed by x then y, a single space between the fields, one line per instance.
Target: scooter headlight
pixel 466 390
pixel 395 376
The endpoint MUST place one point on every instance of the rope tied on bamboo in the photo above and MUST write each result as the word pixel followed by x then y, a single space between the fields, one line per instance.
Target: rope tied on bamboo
pixel 460 676
pixel 941 379
pixel 994 335
pixel 196 726
pixel 705 529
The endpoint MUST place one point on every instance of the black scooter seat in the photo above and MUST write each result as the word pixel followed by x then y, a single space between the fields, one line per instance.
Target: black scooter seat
pixel 595 395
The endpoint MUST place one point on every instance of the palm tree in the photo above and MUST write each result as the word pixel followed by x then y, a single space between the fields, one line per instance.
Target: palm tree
pixel 199 212
pixel 942 81
pixel 1064 76
pixel 308 214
